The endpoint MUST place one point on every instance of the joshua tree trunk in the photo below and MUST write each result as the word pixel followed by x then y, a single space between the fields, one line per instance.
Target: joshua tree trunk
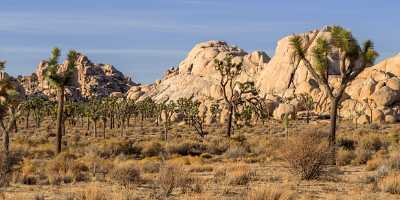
pixel 95 127
pixel 88 124
pixel 15 126
pixel 230 119
pixel 332 133
pixel 60 111
pixel 104 128
pixel 27 120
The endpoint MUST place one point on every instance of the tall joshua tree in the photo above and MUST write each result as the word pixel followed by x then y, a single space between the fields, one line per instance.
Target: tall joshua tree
pixel 353 59
pixel 60 78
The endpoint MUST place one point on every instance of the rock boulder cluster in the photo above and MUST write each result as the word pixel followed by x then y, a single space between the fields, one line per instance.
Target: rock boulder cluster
pixel 90 79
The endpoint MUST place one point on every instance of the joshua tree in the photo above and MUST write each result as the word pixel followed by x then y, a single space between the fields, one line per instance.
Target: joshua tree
pixel 168 109
pixel 308 104
pixel 234 92
pixel 370 104
pixel 94 113
pixel 60 78
pixel 353 59
pixel 9 105
pixel 215 110
pixel 191 112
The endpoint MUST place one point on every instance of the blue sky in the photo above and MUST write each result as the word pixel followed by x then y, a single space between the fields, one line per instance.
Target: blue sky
pixel 144 38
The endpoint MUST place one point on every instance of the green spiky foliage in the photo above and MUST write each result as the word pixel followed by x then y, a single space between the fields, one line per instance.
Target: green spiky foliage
pixel 235 93
pixel 35 106
pixel 308 103
pixel 60 78
pixel 94 112
pixel 353 59
pixel 192 115
pixel 147 108
pixel 215 110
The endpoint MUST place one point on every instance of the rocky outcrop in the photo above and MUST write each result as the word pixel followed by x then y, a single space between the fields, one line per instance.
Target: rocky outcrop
pixel 196 75
pixel 90 80
pixel 375 91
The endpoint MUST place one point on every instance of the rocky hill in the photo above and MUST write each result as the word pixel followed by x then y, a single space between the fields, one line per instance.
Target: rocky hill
pixel 278 79
pixel 196 75
pixel 90 79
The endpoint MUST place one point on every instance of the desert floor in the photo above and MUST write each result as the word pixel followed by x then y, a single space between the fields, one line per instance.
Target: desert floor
pixel 137 163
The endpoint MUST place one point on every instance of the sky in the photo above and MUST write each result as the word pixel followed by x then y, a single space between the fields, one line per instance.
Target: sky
pixel 143 38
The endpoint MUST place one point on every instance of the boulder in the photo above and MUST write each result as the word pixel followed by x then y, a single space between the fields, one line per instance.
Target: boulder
pixel 363 119
pixel 378 116
pixel 283 109
pixel 393 83
pixel 384 96
pixel 390 119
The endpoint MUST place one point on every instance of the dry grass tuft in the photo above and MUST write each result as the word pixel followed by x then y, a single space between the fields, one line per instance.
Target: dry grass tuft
pixel 270 193
pixel 344 157
pixel 126 174
pixel 390 183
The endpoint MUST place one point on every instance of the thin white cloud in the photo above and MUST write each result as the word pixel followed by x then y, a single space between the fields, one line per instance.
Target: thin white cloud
pixel 131 51
pixel 96 24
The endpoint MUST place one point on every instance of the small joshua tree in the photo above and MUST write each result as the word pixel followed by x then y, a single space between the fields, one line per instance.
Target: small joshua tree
pixel 353 59
pixel 60 78
pixel 168 109
pixel 308 104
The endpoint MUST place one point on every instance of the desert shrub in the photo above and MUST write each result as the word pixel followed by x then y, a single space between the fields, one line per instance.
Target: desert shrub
pixel 93 193
pixel 372 142
pixel 42 151
pixel 150 149
pixel 270 193
pixel 344 157
pixel 31 172
pixel 217 146
pixel 306 155
pixel 373 164
pixel 126 174
pixel 66 168
pixel 186 148
pixel 6 165
pixel 78 171
pixel 115 147
pixel 394 162
pixel 346 143
pixel 237 151
pixel 201 168
pixel 151 166
pixel 394 137
pixel 240 175
pixel 39 197
pixel 390 183
pixel 206 156
pixel 362 156
pixel 61 163
pixel 172 177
